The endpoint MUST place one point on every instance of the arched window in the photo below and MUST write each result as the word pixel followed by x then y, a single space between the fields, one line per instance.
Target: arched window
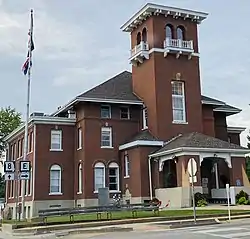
pixel 99 176
pixel 144 35
pixel 138 38
pixel 55 179
pixel 113 177
pixel 180 33
pixel 80 178
pixel 169 32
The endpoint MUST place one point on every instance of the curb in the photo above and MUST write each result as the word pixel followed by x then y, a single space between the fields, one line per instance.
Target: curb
pixel 116 225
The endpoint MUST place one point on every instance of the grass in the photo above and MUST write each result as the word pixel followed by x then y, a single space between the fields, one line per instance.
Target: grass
pixel 168 214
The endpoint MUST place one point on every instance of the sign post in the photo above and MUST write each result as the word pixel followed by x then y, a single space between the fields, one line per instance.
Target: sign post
pixel 228 202
pixel 192 169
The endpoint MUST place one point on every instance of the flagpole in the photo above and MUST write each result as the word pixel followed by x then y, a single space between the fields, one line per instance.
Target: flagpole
pixel 25 148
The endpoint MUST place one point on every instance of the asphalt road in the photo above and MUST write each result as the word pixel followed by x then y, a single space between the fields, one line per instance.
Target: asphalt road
pixel 239 229
pixel 235 230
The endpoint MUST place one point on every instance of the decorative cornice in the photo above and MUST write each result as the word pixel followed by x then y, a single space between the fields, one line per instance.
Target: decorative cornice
pixel 155 9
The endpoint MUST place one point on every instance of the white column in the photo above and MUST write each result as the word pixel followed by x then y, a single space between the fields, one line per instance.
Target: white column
pixel 216 176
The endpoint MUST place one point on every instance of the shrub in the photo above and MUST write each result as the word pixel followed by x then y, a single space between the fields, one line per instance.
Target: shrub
pixel 242 197
pixel 201 203
pixel 200 200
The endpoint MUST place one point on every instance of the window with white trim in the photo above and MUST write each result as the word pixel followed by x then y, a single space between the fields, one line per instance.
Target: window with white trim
pixel 145 118
pixel 126 166
pixel 56 140
pixel 80 178
pixel 55 179
pixel 124 113
pixel 99 176
pixel 106 137
pixel 178 101
pixel 106 111
pixel 79 138
pixel 113 177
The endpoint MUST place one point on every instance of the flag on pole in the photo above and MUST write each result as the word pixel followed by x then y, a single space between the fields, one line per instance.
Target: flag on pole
pixel 31 47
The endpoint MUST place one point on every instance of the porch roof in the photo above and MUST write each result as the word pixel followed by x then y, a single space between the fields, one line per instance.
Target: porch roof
pixel 198 141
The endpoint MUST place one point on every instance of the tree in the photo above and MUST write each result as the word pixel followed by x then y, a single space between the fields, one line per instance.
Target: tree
pixel 248 159
pixel 10 119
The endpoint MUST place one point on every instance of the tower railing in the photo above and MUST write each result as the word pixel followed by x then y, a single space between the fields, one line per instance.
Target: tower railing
pixel 143 46
pixel 178 43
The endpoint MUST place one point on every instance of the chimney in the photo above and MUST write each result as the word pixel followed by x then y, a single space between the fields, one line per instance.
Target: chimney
pixel 71 114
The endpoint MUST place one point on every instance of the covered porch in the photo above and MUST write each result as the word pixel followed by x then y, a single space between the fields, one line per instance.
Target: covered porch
pixel 218 163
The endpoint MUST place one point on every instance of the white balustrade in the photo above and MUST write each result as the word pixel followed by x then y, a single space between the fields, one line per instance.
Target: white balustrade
pixel 178 43
pixel 138 48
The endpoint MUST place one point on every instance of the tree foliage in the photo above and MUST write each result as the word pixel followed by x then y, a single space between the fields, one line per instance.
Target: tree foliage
pixel 248 159
pixel 10 119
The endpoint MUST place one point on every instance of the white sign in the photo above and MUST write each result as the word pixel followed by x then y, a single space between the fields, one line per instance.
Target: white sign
pixel 194 179
pixel 9 176
pixel 24 166
pixel 9 166
pixel 24 176
pixel 190 162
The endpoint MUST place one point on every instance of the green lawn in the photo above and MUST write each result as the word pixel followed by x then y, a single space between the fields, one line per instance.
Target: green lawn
pixel 128 215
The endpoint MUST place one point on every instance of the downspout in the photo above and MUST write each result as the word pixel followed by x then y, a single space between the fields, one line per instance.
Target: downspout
pixel 34 167
pixel 150 178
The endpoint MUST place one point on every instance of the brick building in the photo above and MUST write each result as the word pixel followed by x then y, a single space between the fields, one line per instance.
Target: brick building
pixel 135 132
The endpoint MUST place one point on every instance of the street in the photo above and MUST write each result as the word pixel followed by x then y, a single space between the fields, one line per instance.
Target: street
pixel 239 229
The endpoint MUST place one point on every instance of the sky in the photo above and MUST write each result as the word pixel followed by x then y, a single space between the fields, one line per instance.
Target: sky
pixel 79 44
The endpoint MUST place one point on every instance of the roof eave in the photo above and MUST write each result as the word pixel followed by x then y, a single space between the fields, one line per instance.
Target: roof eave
pixel 99 100
pixel 150 7
pixel 238 130
pixel 39 120
pixel 196 149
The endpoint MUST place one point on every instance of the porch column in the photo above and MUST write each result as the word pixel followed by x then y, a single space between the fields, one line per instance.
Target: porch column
pixel 216 176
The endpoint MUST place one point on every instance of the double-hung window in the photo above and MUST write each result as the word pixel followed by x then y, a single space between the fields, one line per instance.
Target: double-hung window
pixel 105 111
pixel 106 137
pixel 56 140
pixel 178 102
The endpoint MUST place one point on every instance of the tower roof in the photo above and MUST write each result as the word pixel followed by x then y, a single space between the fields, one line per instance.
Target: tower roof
pixel 154 9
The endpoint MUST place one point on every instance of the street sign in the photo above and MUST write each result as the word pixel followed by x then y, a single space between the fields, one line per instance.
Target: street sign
pixel 190 162
pixel 24 176
pixel 9 166
pixel 9 176
pixel 24 166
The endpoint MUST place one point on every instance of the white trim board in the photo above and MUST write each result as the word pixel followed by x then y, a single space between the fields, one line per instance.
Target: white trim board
pixel 137 143
pixel 232 129
pixel 151 8
pixel 40 120
pixel 97 100
pixel 238 152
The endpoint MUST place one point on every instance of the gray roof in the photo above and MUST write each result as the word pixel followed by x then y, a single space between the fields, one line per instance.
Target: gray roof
pixel 143 135
pixel 197 140
pixel 118 88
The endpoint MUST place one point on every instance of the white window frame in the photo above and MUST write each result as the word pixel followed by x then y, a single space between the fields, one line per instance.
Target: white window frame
pixel 144 118
pixel 55 167
pixel 109 130
pixel 99 166
pixel 80 177
pixel 116 166
pixel 126 166
pixel 57 131
pixel 183 102
pixel 79 138
pixel 110 114
pixel 125 107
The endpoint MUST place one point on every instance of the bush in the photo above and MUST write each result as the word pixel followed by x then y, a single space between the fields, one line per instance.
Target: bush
pixel 200 200
pixel 201 203
pixel 242 198
pixel 243 201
